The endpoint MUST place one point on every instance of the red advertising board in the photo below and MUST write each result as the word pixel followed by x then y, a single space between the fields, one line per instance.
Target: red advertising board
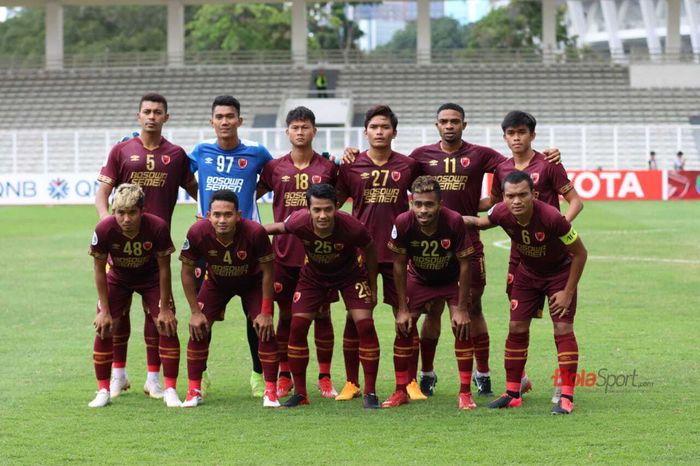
pixel 683 185
pixel 618 185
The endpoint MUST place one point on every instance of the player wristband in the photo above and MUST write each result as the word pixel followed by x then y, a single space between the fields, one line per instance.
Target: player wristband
pixel 267 306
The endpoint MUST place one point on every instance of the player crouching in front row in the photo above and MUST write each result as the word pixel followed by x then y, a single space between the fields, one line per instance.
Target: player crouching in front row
pixel 239 261
pixel 332 241
pixel 431 242
pixel 552 257
pixel 139 247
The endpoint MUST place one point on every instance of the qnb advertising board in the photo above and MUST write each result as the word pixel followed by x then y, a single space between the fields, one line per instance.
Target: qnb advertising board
pixel 71 188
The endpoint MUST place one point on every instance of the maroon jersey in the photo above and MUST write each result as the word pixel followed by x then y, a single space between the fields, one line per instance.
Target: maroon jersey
pixel 132 260
pixel 332 259
pixel 542 242
pixel 550 179
pixel 433 259
pixel 228 264
pixel 159 172
pixel 289 185
pixel 379 194
pixel 460 173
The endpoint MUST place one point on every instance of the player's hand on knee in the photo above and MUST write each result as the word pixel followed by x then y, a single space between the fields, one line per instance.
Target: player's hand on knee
pixel 559 303
pixel 103 324
pixel 349 154
pixel 460 325
pixel 263 326
pixel 403 322
pixel 199 326
pixel 166 322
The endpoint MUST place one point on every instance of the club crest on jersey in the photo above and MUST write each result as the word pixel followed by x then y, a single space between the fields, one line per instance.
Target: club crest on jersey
pixel 316 179
pixel 94 238
pixel 513 304
pixel 242 163
pixel 464 162
pixel 338 246
pixel 296 297
pixel 535 177
pixel 278 287
pixel 396 176
pixel 165 159
pixel 539 235
pixel 147 245
pixel 242 255
pixel 445 243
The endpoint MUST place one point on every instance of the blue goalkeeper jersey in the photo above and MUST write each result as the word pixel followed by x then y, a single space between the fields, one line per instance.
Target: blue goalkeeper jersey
pixel 236 169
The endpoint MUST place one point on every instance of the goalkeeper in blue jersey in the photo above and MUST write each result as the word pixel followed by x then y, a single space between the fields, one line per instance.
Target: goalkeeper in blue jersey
pixel 228 162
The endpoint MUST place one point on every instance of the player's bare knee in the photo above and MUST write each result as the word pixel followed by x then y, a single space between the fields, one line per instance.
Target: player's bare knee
pixel 562 328
pixel 519 326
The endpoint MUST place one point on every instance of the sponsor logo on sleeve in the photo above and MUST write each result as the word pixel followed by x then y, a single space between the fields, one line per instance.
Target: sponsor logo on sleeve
pixel 394 233
pixel 94 238
pixel 186 245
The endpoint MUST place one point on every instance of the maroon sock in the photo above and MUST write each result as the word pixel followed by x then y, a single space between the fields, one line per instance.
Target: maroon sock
pixel 267 351
pixel 197 354
pixel 323 337
pixel 515 358
pixel 102 356
pixel 282 335
pixel 351 352
pixel 464 352
pixel 427 353
pixel 481 352
pixel 415 352
pixel 298 352
pixel 402 356
pixel 120 341
pixel 152 338
pixel 567 353
pixel 369 353
pixel 169 348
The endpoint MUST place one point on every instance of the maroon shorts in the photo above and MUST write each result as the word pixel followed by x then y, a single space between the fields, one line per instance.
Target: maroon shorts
pixel 311 293
pixel 527 298
pixel 119 297
pixel 286 279
pixel 419 294
pixel 213 299
pixel 477 267
pixel 388 287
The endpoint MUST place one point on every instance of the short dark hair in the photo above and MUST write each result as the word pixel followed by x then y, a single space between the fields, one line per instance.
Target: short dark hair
pixel 321 191
pixel 426 184
pixel 153 97
pixel 301 114
pixel 224 195
pixel 451 106
pixel 226 101
pixel 680 152
pixel 652 153
pixel 518 118
pixel 516 177
pixel 381 110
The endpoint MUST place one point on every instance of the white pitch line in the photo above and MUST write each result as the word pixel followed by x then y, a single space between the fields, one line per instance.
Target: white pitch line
pixel 505 244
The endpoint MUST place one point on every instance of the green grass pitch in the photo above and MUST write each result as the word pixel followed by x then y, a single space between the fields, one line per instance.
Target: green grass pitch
pixel 637 315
